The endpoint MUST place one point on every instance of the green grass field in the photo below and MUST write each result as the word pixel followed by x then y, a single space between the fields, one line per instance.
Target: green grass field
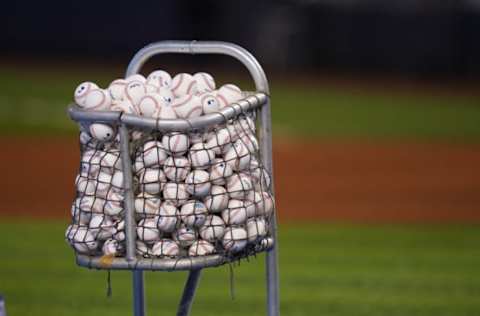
pixel 36 103
pixel 326 269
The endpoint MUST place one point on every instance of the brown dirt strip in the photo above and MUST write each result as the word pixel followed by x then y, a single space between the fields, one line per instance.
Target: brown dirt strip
pixel 360 182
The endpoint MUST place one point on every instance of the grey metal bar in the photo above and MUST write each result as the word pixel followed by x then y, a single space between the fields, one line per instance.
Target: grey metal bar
pixel 138 293
pixel 202 47
pixel 163 264
pixel 130 229
pixel 249 103
pixel 128 202
pixel 189 293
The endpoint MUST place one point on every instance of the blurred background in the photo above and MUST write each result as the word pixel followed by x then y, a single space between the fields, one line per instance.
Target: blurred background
pixel 376 110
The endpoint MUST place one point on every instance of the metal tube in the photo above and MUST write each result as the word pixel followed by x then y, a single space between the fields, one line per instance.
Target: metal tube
pixel 130 229
pixel 128 202
pixel 249 103
pixel 189 293
pixel 138 293
pixel 203 47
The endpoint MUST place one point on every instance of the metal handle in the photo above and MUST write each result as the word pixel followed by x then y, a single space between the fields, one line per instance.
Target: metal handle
pixel 202 47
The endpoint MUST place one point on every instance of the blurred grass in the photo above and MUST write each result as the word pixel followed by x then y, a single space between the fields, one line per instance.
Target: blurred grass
pixel 35 102
pixel 325 270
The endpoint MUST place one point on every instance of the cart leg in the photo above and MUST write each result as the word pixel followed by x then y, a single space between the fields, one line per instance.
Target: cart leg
pixel 273 303
pixel 138 293
pixel 189 293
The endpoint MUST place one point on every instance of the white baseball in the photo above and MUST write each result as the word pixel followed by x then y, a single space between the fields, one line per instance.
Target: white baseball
pixel 165 248
pixel 79 216
pixel 228 94
pixel 81 239
pixel 217 200
pixel 249 141
pixel 113 206
pixel 187 106
pixel 166 94
pixel 101 227
pixel 134 91
pixel 147 230
pixel 136 77
pixel 149 104
pixel 219 171
pixel 193 213
pixel 238 157
pixel 165 113
pixel 110 247
pixel 159 78
pixel 110 159
pixel 147 204
pixel 256 229
pixel 125 106
pixel 176 168
pixel 185 236
pixel 85 185
pixel 97 100
pixel 175 193
pixel 81 92
pixel 183 84
pixel 200 156
pixel 236 212
pixel 258 201
pixel 209 102
pixel 198 183
pixel 239 185
pixel 117 89
pixel 234 239
pixel 153 154
pixel 167 219
pixel 213 229
pixel 205 82
pixel 201 248
pixel 217 139
pixel 269 203
pixel 102 132
pixel 142 249
pixel 176 143
pixel 152 180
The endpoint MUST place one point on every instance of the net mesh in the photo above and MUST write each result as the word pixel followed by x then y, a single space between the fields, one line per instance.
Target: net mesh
pixel 196 194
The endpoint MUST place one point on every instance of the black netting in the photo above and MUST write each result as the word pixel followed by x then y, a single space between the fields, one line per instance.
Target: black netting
pixel 196 194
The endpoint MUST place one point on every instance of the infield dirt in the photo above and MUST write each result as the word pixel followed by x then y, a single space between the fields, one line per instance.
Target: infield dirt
pixel 330 181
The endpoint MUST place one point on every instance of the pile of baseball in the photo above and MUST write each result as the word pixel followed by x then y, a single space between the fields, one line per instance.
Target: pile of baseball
pixel 196 194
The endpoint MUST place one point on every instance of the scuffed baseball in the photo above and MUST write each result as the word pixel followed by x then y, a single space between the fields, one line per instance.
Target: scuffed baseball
pixel 200 156
pixel 201 248
pixel 220 171
pixel 102 132
pixel 147 230
pixel 238 156
pixel 256 229
pixel 147 204
pixel 217 200
pixel 185 236
pixel 198 183
pixel 152 180
pixel 234 239
pixel 101 227
pixel 153 154
pixel 213 229
pixel 165 248
pixel 176 143
pixel 239 185
pixel 135 91
pixel 159 78
pixel 176 168
pixel 81 92
pixel 193 213
pixel 176 193
pixel 117 89
pixel 167 219
pixel 209 102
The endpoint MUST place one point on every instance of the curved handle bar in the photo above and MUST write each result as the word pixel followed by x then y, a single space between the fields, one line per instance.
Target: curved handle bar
pixel 202 47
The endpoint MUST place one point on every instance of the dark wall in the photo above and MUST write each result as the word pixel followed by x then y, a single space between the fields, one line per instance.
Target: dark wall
pixel 412 37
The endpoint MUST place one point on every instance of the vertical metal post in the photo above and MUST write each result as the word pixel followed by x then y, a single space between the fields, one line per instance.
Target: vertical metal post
pixel 130 225
pixel 189 293
pixel 138 293
pixel 271 263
